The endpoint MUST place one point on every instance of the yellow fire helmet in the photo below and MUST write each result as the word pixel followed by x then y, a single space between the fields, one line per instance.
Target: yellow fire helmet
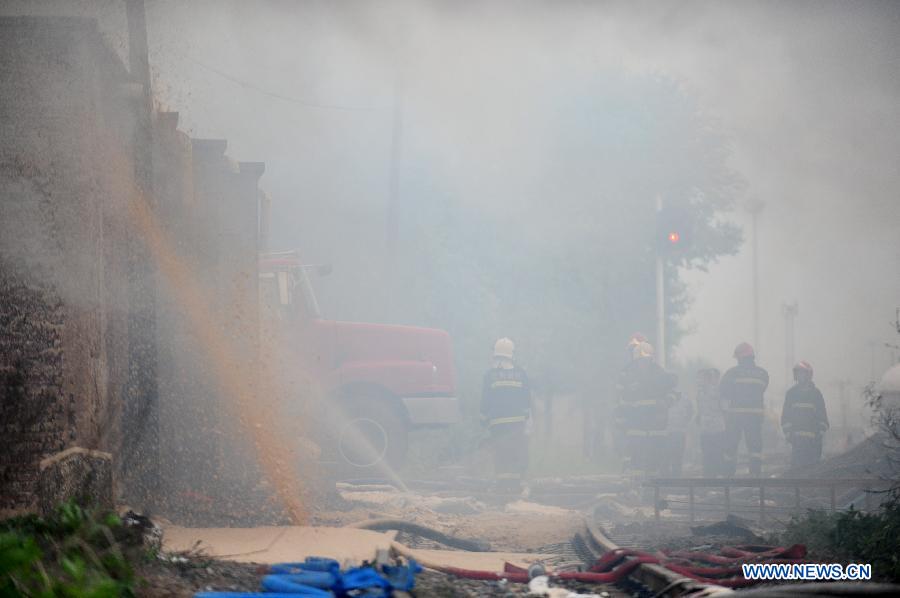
pixel 641 350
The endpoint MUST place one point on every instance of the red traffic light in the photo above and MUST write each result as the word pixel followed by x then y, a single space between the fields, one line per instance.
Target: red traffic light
pixel 674 229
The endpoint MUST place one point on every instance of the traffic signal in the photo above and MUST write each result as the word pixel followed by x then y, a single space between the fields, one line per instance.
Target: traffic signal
pixel 673 230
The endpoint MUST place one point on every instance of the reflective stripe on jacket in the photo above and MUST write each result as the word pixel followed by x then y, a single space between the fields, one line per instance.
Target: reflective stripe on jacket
pixel 505 395
pixel 804 411
pixel 743 387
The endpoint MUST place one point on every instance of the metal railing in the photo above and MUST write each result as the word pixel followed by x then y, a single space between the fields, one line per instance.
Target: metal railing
pixel 868 485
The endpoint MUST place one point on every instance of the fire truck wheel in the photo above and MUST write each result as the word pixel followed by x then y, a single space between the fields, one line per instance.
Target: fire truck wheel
pixel 373 437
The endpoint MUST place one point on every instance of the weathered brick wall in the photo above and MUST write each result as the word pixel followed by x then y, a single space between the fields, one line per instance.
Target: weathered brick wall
pixel 33 415
pixel 74 334
pixel 61 283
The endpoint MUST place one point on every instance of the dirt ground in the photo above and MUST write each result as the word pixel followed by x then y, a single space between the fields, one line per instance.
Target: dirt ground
pixel 182 576
pixel 182 580
pixel 515 526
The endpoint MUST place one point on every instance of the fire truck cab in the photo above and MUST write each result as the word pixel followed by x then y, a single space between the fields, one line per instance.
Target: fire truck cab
pixel 375 382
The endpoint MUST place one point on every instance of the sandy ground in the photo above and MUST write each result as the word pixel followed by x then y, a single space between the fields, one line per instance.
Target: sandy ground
pixel 518 526
pixel 517 531
pixel 271 545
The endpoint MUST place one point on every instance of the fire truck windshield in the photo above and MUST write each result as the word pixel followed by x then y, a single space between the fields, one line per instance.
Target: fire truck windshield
pixel 301 279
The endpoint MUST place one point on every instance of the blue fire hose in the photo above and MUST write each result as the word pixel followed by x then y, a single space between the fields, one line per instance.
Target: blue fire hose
pixel 322 577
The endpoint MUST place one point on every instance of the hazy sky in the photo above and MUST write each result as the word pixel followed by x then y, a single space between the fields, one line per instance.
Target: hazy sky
pixel 807 92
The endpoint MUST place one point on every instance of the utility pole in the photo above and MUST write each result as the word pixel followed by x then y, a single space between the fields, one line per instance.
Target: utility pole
pixel 660 300
pixel 393 208
pixel 140 418
pixel 754 207
pixel 790 312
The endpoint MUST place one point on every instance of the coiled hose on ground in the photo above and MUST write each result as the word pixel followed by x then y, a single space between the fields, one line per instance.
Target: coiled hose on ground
pixel 384 525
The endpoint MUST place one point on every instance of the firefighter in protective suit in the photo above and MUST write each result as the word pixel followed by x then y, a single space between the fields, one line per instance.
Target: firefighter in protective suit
pixel 804 419
pixel 742 391
pixel 621 409
pixel 645 396
pixel 506 405
pixel 711 417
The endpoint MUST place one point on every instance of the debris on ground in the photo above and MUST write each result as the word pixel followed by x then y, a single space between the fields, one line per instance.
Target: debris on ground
pixel 733 527
pixel 612 506
pixel 181 576
pixel 516 526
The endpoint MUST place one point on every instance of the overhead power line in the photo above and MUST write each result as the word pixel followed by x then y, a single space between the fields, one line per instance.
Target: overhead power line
pixel 271 94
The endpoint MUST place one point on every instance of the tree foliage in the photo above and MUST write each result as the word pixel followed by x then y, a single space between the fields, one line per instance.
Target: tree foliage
pixel 852 536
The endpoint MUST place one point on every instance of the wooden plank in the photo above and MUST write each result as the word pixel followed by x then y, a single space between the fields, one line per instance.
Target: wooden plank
pixel 272 544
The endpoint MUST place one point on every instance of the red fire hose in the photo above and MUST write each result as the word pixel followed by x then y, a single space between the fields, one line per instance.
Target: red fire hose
pixel 517 575
pixel 616 564
pixel 736 556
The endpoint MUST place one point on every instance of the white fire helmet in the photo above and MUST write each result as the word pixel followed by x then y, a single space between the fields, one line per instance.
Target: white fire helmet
pixel 504 347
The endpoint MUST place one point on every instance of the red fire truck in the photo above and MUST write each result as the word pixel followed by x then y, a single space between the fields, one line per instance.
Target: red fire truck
pixel 375 382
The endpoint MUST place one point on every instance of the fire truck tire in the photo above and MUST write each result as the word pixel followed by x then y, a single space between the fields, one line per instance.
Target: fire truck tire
pixel 373 435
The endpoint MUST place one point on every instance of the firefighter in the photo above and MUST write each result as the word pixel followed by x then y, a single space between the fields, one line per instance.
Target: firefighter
pixel 645 399
pixel 804 419
pixel 506 405
pixel 742 391
pixel 681 414
pixel 621 409
pixel 634 340
pixel 711 419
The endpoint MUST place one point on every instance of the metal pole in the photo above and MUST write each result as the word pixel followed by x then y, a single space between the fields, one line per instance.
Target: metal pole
pixel 656 503
pixel 789 353
pixel 842 398
pixel 755 283
pixel 790 311
pixel 393 211
pixel 660 302
pixel 141 410
pixel 265 220
pixel 755 206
